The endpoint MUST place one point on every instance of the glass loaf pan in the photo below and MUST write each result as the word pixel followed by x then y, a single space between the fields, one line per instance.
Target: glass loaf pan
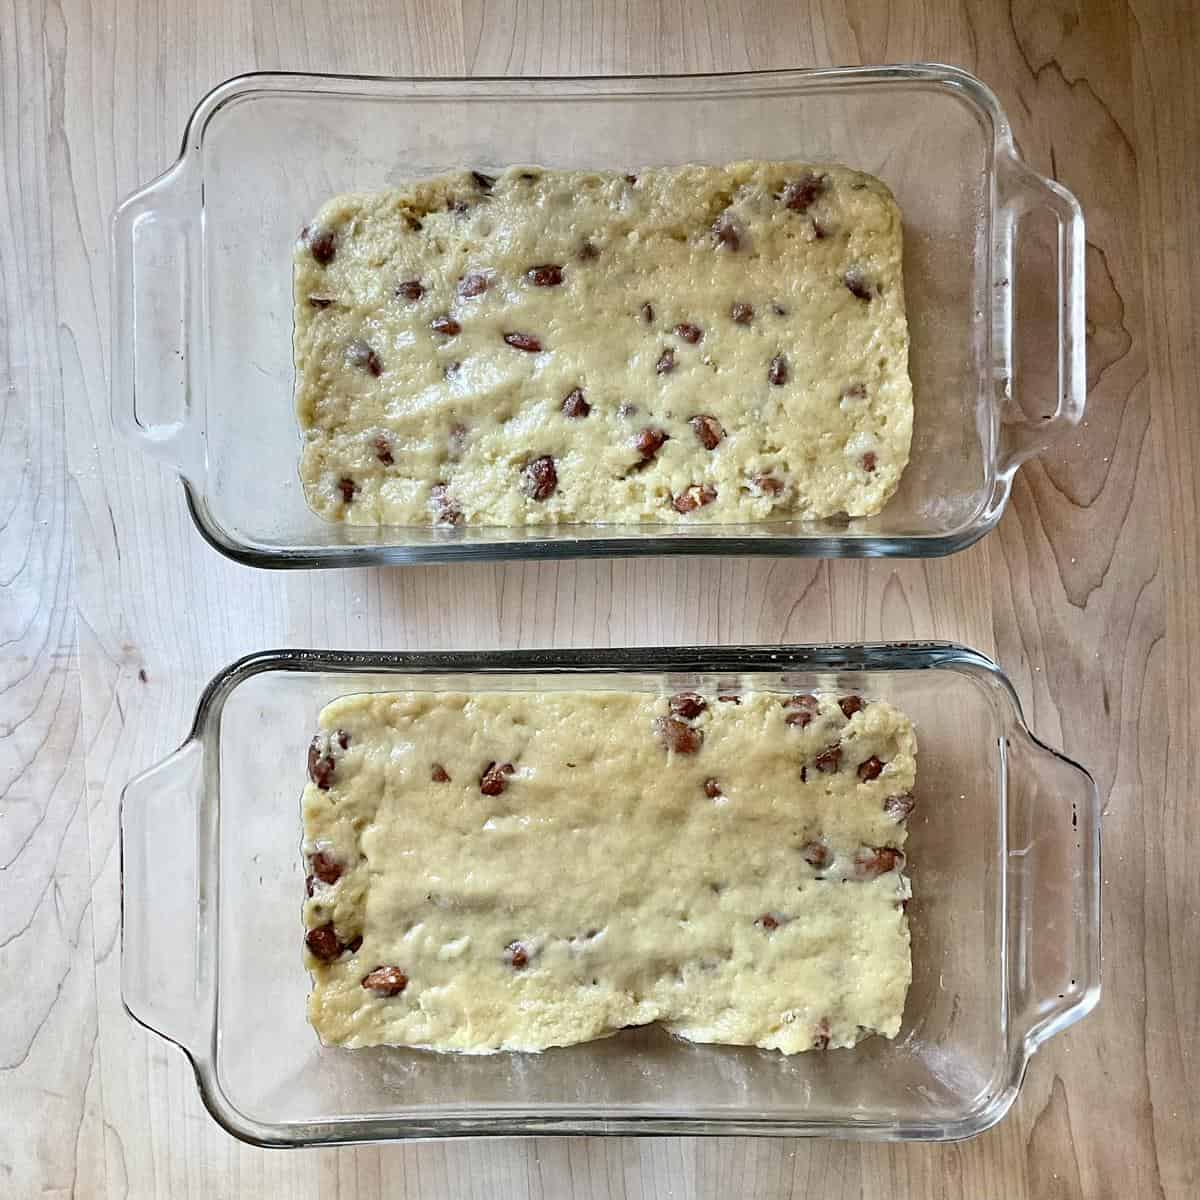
pixel 1004 855
pixel 203 375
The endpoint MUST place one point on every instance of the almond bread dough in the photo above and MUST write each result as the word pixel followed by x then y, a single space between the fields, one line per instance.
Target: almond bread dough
pixel 696 343
pixel 512 871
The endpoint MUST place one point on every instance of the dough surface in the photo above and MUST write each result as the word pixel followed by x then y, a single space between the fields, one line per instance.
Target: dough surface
pixel 511 350
pixel 732 871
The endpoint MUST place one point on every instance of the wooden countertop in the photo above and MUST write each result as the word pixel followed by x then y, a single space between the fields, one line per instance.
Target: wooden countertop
pixel 112 611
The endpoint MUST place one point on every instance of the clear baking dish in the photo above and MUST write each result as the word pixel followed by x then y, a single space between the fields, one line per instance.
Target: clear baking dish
pixel 202 351
pixel 1004 856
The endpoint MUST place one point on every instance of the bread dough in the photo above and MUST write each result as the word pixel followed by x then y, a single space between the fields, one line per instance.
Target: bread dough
pixel 753 314
pixel 720 871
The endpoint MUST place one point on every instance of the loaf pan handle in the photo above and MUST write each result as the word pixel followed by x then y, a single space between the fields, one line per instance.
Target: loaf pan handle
pixel 1053 893
pixel 166 914
pixel 1024 191
pixel 155 263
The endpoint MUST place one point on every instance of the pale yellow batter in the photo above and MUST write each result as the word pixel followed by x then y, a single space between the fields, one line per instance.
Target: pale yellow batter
pixel 521 870
pixel 693 343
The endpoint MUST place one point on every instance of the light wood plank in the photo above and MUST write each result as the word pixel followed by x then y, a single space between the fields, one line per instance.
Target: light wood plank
pixel 50 1110
pixel 1166 89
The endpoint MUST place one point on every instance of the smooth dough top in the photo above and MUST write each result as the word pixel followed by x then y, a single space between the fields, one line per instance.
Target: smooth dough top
pixel 696 343
pixel 512 871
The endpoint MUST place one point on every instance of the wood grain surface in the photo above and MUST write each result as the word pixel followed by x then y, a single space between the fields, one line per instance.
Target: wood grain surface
pixel 113 612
